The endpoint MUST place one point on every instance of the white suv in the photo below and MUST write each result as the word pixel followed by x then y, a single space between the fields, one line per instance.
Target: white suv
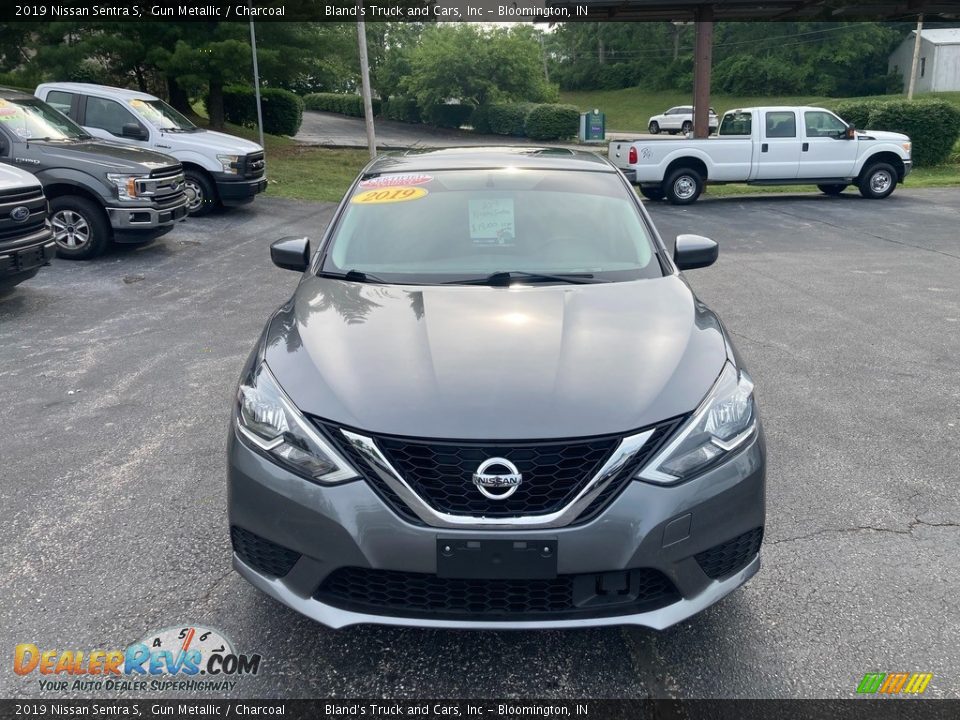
pixel 678 119
pixel 219 169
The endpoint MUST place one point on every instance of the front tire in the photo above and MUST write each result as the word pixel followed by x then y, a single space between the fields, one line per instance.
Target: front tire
pixel 201 192
pixel 654 127
pixel 686 127
pixel 833 189
pixel 80 227
pixel 683 186
pixel 651 193
pixel 878 181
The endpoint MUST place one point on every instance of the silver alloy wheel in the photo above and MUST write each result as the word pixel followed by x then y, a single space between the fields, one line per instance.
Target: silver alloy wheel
pixel 70 229
pixel 684 187
pixel 880 181
pixel 194 195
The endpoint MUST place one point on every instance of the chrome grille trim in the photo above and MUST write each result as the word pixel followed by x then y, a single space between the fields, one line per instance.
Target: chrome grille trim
pixel 621 456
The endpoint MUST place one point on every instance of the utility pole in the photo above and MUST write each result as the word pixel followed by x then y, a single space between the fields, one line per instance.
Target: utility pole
pixel 916 58
pixel 256 81
pixel 365 78
pixel 702 64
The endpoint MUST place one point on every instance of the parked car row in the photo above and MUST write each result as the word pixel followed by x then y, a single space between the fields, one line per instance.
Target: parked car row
pixel 87 165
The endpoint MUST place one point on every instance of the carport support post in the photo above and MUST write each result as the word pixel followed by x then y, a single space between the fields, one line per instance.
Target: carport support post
pixel 365 79
pixel 702 61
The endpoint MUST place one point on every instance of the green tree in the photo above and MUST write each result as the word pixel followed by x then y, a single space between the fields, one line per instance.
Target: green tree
pixel 477 66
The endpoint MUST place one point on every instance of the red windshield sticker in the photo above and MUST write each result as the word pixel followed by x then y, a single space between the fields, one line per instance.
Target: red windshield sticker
pixel 395 180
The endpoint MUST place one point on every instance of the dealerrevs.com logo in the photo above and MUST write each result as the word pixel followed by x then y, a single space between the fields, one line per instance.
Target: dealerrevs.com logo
pixel 186 658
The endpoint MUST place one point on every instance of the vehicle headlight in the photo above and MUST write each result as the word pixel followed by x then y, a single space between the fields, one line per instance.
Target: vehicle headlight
pixel 268 419
pixel 908 146
pixel 725 420
pixel 126 185
pixel 230 163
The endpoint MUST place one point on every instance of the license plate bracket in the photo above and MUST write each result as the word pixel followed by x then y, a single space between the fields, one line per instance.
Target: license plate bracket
pixel 496 559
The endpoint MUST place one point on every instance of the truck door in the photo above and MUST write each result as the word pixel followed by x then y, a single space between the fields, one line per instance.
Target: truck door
pixel 779 153
pixel 826 152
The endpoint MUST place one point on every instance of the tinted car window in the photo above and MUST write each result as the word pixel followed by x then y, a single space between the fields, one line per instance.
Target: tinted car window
pixel 823 124
pixel 107 115
pixel 457 225
pixel 61 101
pixel 781 124
pixel 736 123
pixel 33 119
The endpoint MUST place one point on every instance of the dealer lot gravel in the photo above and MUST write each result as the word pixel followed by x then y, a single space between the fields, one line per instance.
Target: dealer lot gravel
pixel 114 493
pixel 494 402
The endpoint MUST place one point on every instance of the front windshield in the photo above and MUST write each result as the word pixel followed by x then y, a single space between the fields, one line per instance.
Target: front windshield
pixel 32 119
pixel 162 116
pixel 462 225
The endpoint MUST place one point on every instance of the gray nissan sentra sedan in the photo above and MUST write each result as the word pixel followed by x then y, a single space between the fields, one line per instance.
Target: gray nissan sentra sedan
pixel 493 401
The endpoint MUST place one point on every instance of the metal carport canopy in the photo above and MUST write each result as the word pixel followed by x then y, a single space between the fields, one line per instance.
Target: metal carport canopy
pixel 704 12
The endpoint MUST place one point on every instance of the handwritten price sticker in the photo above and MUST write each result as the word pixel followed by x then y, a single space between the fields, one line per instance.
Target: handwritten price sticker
pixel 389 195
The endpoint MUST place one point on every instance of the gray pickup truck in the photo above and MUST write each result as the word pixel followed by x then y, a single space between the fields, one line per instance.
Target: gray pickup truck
pixel 26 242
pixel 98 191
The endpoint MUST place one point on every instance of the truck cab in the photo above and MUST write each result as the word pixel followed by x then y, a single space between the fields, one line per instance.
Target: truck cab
pixel 26 240
pixel 219 169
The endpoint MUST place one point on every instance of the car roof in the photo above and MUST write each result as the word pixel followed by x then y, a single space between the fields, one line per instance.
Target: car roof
pixel 489 157
pixel 102 89
pixel 14 94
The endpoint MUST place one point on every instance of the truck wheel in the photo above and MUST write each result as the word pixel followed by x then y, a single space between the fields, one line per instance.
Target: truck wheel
pixel 878 181
pixel 651 193
pixel 834 189
pixel 683 186
pixel 201 192
pixel 686 127
pixel 80 227
pixel 654 127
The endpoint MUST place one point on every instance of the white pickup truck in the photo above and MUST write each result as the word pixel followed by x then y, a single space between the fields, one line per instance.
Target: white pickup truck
pixel 768 146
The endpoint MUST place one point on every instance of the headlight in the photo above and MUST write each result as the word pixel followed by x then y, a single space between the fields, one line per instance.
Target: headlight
pixel 229 163
pixel 126 185
pixel 267 418
pixel 908 146
pixel 725 420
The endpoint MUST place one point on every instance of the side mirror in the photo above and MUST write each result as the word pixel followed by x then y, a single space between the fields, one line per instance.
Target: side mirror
pixel 134 131
pixel 695 251
pixel 291 253
pixel 851 132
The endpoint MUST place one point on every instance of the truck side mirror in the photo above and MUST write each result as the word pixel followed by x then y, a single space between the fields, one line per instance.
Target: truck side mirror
pixel 851 132
pixel 134 131
pixel 694 251
pixel 291 253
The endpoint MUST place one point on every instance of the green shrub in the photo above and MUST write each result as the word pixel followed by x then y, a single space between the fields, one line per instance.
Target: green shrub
pixel 339 103
pixel 282 110
pixel 855 112
pixel 509 118
pixel 480 119
pixel 552 122
pixel 447 116
pixel 402 108
pixel 933 126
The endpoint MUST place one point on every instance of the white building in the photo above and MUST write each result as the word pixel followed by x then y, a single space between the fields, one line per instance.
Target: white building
pixel 939 65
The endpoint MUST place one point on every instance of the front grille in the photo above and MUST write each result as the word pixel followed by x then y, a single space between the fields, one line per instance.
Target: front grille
pixel 262 555
pixel 252 165
pixel 35 203
pixel 165 185
pixel 726 558
pixel 442 473
pixel 421 594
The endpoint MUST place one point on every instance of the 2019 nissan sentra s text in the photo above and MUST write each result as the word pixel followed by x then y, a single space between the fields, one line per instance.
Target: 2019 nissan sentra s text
pixel 493 401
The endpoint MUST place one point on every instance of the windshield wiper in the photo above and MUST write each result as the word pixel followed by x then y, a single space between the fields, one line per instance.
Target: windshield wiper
pixel 354 276
pixel 503 278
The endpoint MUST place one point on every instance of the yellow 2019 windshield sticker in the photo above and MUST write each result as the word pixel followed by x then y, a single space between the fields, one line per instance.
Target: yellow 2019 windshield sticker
pixel 389 195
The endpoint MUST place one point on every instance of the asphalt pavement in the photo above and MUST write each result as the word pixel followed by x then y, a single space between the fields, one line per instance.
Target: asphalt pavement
pixel 116 382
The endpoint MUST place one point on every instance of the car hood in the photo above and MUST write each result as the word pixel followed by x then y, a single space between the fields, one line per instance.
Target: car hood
pixel 882 135
pixel 106 155
pixel 207 140
pixel 12 178
pixel 495 363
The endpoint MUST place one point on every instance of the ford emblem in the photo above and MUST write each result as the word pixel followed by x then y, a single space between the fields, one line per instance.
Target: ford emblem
pixel 20 213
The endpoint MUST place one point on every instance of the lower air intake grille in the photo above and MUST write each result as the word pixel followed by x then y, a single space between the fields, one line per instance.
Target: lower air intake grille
pixel 390 592
pixel 262 555
pixel 726 558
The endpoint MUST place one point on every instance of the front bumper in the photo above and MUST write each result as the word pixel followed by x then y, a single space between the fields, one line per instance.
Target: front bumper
pixel 26 254
pixel 146 217
pixel 907 167
pixel 236 192
pixel 348 525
